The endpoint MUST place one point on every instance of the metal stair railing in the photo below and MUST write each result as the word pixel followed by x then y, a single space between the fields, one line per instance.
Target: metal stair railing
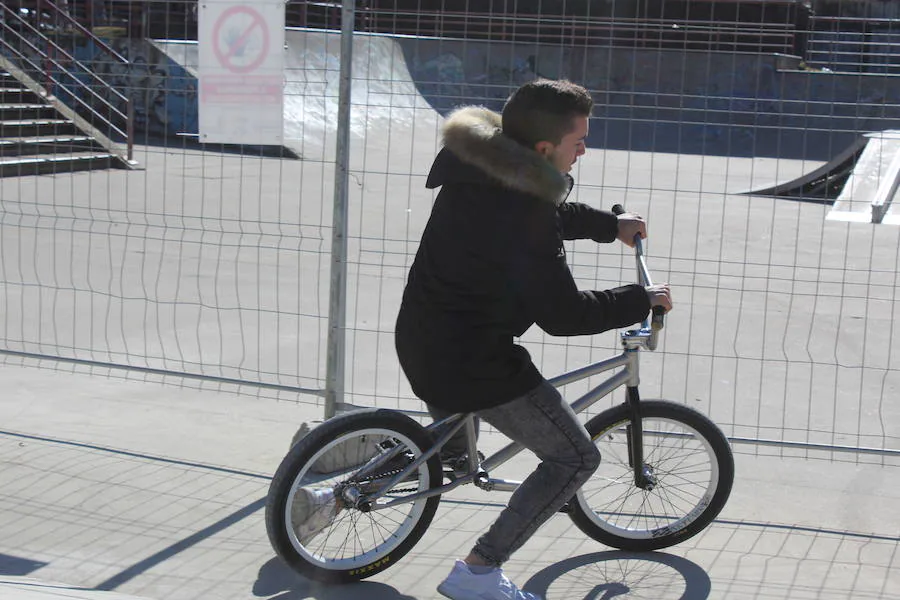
pixel 73 22
pixel 49 58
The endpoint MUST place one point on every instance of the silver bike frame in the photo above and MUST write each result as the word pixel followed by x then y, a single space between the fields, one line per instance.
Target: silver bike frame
pixel 633 341
pixel 629 375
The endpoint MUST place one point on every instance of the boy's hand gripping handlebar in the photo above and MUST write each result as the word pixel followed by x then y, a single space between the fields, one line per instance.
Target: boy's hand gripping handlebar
pixel 658 320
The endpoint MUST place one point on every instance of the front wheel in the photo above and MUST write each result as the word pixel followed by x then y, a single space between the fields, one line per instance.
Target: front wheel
pixel 311 524
pixel 691 463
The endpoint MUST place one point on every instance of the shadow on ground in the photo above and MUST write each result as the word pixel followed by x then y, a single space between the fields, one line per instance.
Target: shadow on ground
pixel 18 566
pixel 277 582
pixel 615 574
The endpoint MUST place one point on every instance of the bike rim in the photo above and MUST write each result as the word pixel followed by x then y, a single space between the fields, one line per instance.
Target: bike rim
pixel 684 463
pixel 356 539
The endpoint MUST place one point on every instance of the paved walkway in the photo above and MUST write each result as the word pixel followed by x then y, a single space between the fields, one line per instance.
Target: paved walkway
pixel 157 492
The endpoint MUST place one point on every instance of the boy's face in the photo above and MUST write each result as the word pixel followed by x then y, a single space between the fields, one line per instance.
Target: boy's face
pixel 565 154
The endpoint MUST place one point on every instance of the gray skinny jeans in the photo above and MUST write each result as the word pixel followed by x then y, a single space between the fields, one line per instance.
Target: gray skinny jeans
pixel 542 422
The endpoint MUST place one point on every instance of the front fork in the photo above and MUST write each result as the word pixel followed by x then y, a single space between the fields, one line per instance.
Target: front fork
pixel 644 478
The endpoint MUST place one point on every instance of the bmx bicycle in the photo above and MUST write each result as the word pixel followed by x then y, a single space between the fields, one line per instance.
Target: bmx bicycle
pixel 666 472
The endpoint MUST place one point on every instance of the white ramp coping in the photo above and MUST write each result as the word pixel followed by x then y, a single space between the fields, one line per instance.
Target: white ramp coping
pixel 26 588
pixel 868 195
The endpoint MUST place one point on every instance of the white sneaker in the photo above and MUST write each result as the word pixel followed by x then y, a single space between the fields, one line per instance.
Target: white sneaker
pixel 312 512
pixel 463 584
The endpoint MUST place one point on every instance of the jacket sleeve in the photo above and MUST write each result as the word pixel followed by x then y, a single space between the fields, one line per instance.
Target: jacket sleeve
pixel 583 222
pixel 553 299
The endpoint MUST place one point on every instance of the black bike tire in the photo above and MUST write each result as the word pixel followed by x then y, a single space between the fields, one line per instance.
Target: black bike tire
pixel 299 455
pixel 682 414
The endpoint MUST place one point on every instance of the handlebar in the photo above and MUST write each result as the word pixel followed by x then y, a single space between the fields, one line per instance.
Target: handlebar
pixel 657 322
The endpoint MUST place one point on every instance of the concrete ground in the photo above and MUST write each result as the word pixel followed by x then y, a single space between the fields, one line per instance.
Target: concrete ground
pixel 158 492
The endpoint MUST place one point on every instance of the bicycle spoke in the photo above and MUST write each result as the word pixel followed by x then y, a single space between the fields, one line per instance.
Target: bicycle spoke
pixel 681 464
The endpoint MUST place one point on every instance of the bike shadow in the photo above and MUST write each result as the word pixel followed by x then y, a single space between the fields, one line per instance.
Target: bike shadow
pixel 618 574
pixel 278 582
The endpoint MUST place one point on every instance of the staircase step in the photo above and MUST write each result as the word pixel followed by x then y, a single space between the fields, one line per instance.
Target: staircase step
pixel 21 146
pixel 55 163
pixel 10 94
pixel 21 112
pixel 35 137
pixel 47 139
pixel 36 127
pixel 22 105
pixel 23 122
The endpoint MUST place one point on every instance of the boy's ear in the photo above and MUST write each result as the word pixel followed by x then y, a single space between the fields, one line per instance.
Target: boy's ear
pixel 544 148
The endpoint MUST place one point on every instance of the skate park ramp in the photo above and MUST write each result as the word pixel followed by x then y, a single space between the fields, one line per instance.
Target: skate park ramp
pixel 384 95
pixel 861 181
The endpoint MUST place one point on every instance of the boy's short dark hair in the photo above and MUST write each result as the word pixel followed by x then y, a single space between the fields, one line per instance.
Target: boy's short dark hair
pixel 543 110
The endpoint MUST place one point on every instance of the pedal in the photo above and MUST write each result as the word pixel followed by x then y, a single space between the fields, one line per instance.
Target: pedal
pixel 483 480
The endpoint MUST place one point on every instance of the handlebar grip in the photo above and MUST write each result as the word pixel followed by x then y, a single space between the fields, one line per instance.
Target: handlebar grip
pixel 617 210
pixel 659 317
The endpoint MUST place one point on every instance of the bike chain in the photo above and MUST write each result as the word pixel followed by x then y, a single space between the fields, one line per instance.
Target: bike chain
pixel 387 474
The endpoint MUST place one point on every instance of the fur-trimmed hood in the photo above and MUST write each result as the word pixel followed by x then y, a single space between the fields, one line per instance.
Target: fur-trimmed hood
pixel 473 134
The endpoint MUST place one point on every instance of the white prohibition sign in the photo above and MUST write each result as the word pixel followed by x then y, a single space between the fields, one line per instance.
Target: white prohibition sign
pixel 241 39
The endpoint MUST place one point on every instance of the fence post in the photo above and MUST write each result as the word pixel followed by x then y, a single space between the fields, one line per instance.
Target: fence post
pixel 337 305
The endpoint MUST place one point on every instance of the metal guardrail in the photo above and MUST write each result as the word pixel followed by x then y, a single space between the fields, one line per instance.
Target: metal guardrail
pixel 648 33
pixel 854 44
pixel 75 24
pixel 49 58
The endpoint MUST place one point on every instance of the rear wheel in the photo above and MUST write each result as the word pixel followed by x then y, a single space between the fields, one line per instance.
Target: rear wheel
pixel 690 460
pixel 356 543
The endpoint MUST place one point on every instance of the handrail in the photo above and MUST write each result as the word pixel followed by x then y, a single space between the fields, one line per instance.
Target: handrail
pixel 81 28
pixel 61 68
pixel 580 20
pixel 68 57
pixel 624 24
pixel 860 20
pixel 543 19
pixel 853 44
pixel 75 97
pixel 744 36
pixel 774 36
pixel 128 115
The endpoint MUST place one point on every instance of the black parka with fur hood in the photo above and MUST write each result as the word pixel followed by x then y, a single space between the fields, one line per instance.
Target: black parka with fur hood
pixel 491 263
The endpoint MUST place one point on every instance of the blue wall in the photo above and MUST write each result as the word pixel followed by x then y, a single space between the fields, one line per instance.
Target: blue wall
pixel 673 101
pixel 163 92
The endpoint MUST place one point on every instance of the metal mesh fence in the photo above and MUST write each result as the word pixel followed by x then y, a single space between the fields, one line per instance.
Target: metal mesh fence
pixel 783 329
pixel 203 264
pixel 213 262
